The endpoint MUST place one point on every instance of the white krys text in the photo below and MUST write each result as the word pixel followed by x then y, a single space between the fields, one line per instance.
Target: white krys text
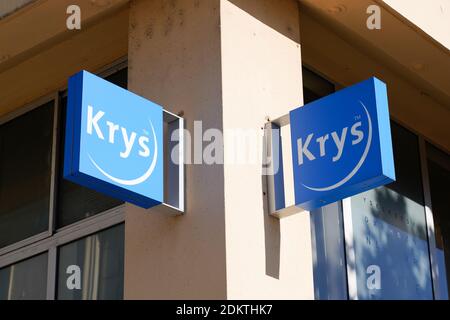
pixel 97 126
pixel 337 142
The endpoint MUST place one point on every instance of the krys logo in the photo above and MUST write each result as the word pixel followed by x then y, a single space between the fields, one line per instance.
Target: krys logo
pixel 341 144
pixel 114 141
pixel 124 143
pixel 345 149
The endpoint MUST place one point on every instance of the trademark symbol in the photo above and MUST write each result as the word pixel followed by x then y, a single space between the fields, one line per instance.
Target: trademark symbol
pixel 358 117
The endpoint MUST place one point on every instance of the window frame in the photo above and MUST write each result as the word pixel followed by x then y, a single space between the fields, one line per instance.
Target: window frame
pixel 429 216
pixel 50 240
pixel 52 97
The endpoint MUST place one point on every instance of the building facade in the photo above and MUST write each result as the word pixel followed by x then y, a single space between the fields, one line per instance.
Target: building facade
pixel 228 66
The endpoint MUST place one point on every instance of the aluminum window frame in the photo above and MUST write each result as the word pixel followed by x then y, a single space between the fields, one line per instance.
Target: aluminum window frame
pixel 429 217
pixel 73 232
pixel 52 97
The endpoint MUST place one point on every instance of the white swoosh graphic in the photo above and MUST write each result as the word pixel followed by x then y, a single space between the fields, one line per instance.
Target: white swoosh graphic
pixel 142 178
pixel 358 166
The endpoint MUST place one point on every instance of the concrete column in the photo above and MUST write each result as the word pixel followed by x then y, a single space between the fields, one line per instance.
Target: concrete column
pixel 262 77
pixel 174 60
pixel 230 64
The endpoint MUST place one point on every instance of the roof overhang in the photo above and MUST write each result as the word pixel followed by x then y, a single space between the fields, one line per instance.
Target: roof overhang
pixel 400 44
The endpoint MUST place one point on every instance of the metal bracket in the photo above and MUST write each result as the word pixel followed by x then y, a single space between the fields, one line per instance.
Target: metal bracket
pixel 273 169
pixel 174 179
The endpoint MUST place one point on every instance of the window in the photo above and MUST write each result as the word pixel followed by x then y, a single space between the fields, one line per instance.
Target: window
pixel 314 86
pixel 92 268
pixel 439 176
pixel 49 227
pixel 25 167
pixel 25 280
pixel 390 243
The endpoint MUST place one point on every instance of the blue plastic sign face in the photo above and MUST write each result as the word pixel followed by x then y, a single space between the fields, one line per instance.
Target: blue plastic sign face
pixel 341 145
pixel 114 141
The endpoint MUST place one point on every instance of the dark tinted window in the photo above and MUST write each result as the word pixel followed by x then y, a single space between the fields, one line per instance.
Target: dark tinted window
pixel 25 280
pixel 314 86
pixel 25 166
pixel 407 164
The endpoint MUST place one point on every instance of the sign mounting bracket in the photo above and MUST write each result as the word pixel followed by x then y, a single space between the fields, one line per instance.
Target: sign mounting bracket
pixel 273 172
pixel 174 171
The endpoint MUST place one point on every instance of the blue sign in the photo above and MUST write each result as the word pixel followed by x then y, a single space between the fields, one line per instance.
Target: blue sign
pixel 114 141
pixel 341 145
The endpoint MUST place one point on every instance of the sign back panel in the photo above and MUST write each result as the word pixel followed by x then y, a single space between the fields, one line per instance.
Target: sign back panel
pixel 341 145
pixel 114 141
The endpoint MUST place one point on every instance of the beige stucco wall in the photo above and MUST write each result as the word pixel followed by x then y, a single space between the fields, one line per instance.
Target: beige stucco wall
pixel 174 60
pixel 229 64
pixel 267 258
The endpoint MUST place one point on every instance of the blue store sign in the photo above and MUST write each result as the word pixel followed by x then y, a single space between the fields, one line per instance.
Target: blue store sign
pixel 341 145
pixel 114 141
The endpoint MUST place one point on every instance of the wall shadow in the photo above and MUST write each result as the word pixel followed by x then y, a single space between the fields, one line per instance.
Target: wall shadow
pixel 272 235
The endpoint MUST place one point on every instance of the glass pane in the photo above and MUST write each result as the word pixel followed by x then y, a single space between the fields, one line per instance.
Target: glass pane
pixel 119 78
pixel 26 280
pixel 329 268
pixel 25 166
pixel 439 172
pixel 74 201
pixel 92 268
pixel 389 230
pixel 314 86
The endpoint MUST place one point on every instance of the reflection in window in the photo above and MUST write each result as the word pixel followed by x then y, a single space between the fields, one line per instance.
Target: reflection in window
pixel 439 173
pixel 25 280
pixel 329 265
pixel 76 202
pixel 25 166
pixel 389 231
pixel 92 268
